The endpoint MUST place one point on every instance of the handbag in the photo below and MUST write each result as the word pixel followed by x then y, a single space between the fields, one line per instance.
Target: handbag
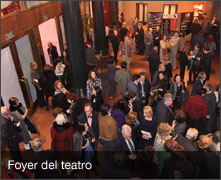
pixel 30 126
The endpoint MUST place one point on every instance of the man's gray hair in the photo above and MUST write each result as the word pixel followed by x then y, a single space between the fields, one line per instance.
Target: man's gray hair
pixel 201 75
pixel 208 87
pixel 192 133
pixel 125 129
pixel 167 97
pixel 36 145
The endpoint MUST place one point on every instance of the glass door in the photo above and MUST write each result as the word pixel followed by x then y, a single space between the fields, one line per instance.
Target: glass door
pixel 10 85
pixel 24 50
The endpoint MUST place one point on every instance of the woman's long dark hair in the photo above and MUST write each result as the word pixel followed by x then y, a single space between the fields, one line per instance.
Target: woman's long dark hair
pixel 80 127
pixel 105 108
pixel 121 105
pixel 153 98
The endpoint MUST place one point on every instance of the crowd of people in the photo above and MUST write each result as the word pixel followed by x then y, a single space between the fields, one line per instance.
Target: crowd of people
pixel 158 129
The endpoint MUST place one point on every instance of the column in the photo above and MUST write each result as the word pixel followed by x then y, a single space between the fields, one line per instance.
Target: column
pixel 114 13
pixel 75 45
pixel 83 18
pixel 99 27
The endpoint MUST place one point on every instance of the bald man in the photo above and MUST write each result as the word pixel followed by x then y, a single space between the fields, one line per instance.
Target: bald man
pixel 9 133
pixel 53 53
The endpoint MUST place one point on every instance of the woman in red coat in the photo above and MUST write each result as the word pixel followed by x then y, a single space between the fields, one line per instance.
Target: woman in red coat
pixel 61 135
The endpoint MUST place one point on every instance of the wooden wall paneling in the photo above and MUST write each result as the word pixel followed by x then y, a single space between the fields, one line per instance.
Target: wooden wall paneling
pixel 137 10
pixel 106 5
pixel 26 93
pixel 35 52
pixel 2 103
pixel 58 27
pixel 83 18
pixel 23 21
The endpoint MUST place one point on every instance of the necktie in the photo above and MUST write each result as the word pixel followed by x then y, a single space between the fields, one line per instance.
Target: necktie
pixel 131 146
pixel 89 119
pixel 142 88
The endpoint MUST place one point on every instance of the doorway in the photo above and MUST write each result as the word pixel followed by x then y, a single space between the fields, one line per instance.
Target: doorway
pixel 10 85
pixel 24 50
pixel 48 33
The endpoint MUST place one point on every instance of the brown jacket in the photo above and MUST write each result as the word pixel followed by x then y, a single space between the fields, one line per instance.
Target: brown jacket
pixel 107 127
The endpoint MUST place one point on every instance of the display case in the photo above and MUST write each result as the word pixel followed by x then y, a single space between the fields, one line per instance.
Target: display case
pixel 155 19
pixel 186 21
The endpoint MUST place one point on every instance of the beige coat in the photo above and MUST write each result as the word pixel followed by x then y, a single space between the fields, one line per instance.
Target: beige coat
pixel 107 127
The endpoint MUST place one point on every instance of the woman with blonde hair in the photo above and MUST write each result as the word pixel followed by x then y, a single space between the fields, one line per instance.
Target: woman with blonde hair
pixel 60 99
pixel 163 134
pixel 36 81
pixel 148 126
pixel 131 119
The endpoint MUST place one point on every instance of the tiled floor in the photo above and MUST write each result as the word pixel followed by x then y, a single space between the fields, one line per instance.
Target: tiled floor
pixel 43 119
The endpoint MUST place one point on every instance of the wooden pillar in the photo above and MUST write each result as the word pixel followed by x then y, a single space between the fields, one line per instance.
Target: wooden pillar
pixel 99 27
pixel 83 18
pixel 114 13
pixel 75 44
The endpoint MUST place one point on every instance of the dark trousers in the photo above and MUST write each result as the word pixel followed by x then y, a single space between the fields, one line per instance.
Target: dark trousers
pixel 107 148
pixel 148 50
pixel 47 99
pixel 197 123
pixel 107 42
pixel 182 70
pixel 207 73
pixel 115 53
pixel 152 71
pixel 140 47
pixel 144 102
pixel 211 124
pixel 177 104
pixel 40 97
pixel 194 72
pixel 15 151
pixel 113 88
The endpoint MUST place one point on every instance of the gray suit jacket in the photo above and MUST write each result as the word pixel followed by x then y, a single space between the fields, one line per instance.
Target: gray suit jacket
pixel 148 39
pixel 125 50
pixel 131 86
pixel 122 77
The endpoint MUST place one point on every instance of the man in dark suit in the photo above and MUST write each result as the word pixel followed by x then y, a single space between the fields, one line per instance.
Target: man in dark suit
pixel 134 86
pixel 191 150
pixel 9 133
pixel 144 87
pixel 53 54
pixel 126 142
pixel 154 61
pixel 91 118
pixel 163 111
pixel 39 156
pixel 210 99
pixel 198 83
